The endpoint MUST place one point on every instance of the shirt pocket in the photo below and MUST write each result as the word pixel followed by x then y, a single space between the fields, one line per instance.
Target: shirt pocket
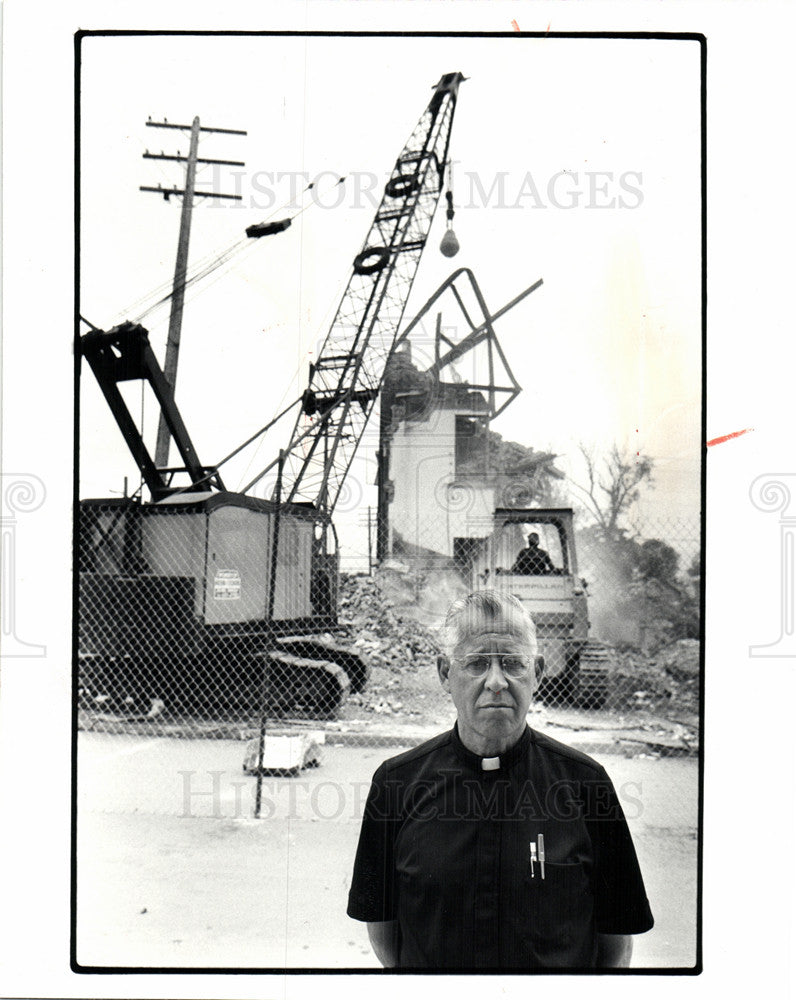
pixel 559 912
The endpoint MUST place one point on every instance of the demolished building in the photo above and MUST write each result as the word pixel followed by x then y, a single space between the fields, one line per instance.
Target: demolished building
pixel 442 471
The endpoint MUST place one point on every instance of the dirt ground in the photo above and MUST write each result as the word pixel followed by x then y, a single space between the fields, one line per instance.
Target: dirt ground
pixel 173 871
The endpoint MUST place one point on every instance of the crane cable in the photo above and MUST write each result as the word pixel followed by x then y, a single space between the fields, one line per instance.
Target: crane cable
pixel 333 305
pixel 165 286
pixel 141 434
pixel 247 245
pixel 218 261
pixel 212 262
pixel 204 269
pixel 239 448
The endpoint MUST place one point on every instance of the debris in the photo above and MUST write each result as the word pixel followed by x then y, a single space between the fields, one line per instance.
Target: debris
pixel 284 754
pixel 659 691
pixel 385 638
pixel 666 682
pixel 681 659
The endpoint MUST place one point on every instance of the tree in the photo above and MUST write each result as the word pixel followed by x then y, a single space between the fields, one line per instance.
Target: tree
pixel 638 583
pixel 694 574
pixel 657 560
pixel 612 487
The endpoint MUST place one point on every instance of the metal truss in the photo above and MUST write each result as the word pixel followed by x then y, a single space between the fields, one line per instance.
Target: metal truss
pixel 347 376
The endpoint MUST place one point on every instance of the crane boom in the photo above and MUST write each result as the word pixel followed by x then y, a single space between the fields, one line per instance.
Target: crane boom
pixel 347 375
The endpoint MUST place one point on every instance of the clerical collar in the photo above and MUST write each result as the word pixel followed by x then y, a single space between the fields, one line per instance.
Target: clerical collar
pixel 507 759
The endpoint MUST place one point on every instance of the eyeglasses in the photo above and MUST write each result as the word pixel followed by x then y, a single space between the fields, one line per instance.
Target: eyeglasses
pixel 512 664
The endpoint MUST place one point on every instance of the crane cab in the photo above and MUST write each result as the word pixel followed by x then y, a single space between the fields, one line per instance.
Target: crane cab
pixel 176 594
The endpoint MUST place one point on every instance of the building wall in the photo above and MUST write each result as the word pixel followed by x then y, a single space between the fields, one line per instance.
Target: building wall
pixel 430 505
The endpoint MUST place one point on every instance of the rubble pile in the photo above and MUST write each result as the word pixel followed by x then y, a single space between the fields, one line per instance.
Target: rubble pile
pixel 401 653
pixel 383 636
pixel 666 682
pixel 378 620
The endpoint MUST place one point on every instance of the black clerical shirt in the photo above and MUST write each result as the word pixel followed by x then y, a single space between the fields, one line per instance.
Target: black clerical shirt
pixel 445 849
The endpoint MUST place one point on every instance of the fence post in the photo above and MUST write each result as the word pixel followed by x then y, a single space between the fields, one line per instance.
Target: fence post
pixel 270 635
pixel 370 543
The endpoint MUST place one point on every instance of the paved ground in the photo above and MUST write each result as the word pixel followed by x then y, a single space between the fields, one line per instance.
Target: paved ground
pixel 174 871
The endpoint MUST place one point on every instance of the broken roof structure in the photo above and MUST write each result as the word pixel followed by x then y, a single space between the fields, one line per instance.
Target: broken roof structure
pixel 442 471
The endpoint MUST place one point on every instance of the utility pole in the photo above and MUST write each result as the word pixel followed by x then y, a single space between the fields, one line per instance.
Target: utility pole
pixel 181 267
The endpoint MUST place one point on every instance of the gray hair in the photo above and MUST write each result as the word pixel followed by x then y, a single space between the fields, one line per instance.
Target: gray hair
pixel 488 605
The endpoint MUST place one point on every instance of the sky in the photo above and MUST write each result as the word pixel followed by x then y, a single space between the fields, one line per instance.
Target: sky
pixel 573 160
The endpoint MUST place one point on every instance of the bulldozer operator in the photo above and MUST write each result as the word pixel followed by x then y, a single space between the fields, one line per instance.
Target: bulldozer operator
pixel 533 560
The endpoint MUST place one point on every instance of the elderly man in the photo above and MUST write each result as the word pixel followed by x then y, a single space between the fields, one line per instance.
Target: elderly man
pixel 493 846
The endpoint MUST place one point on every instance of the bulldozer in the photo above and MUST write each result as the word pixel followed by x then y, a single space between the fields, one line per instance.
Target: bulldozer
pixel 577 667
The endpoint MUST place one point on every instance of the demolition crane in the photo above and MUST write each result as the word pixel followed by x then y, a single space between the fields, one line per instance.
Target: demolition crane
pixel 188 597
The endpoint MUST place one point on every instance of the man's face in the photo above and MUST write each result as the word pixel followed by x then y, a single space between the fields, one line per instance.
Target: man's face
pixel 491 704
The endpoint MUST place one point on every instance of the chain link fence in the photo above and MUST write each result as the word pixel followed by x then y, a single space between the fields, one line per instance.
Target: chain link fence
pixel 188 627
pixel 192 707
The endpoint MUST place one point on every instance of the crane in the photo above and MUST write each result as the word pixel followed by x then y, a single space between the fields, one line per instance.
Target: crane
pixel 345 379
pixel 198 589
